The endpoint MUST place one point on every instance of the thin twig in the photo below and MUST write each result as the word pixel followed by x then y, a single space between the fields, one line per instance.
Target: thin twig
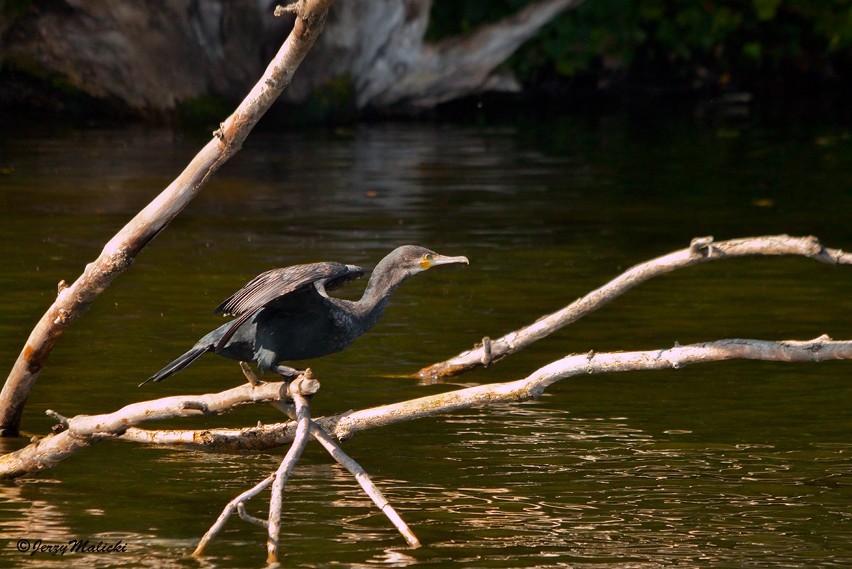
pixel 229 509
pixel 246 517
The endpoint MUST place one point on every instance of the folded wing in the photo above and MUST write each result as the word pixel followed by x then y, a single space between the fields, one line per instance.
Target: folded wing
pixel 277 283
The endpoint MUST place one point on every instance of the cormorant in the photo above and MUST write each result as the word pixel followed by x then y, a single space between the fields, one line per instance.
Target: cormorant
pixel 286 314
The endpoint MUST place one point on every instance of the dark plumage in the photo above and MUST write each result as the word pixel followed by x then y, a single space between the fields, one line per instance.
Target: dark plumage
pixel 287 314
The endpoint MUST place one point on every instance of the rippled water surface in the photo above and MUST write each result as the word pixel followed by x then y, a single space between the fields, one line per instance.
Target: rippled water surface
pixel 730 464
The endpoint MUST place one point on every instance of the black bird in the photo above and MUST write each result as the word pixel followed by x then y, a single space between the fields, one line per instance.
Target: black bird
pixel 286 314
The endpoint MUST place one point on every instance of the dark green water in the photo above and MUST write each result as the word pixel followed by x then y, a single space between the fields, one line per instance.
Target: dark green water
pixel 725 465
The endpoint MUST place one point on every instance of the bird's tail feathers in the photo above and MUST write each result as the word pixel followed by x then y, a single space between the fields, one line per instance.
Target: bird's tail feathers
pixel 179 363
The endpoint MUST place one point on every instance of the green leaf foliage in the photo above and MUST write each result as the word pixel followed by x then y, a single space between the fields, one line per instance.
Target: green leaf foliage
pixel 675 39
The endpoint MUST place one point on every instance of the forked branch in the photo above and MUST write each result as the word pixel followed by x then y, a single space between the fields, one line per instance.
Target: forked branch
pixel 297 391
pixel 576 365
pixel 303 431
pixel 81 431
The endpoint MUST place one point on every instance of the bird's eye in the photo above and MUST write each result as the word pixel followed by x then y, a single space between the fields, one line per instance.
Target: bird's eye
pixel 426 261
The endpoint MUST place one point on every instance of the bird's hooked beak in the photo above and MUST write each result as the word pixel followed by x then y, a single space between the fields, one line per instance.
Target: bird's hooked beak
pixel 434 259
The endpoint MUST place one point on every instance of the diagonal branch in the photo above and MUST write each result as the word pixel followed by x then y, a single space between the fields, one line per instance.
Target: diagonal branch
pixel 365 482
pixel 532 386
pixel 119 253
pixel 237 504
pixel 701 250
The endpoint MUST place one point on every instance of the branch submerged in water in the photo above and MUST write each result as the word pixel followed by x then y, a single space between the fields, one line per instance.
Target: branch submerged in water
pixel 75 433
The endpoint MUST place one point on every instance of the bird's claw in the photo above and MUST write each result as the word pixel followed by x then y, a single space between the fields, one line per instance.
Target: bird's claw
pixel 288 373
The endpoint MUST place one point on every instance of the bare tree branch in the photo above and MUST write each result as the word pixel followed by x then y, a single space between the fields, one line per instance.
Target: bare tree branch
pixel 819 349
pixel 347 424
pixel 303 431
pixel 365 482
pixel 532 386
pixel 237 504
pixel 83 430
pixel 119 253
pixel 297 390
pixel 80 431
pixel 701 250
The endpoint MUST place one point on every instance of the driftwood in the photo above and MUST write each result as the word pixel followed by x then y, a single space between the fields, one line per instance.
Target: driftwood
pixel 342 426
pixel 345 425
pixel 304 426
pixel 118 254
pixel 84 430
pixel 81 431
pixel 700 250
pixel 381 45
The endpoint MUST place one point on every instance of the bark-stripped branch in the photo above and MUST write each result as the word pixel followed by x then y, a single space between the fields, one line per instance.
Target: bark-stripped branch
pixel 347 424
pixel 297 390
pixel 81 431
pixel 276 502
pixel 365 482
pixel 701 250
pixel 237 504
pixel 118 254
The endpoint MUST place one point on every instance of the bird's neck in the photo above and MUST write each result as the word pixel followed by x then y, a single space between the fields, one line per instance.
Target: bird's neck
pixel 377 294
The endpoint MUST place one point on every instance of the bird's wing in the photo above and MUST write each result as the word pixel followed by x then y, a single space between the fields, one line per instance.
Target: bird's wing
pixel 351 273
pixel 277 283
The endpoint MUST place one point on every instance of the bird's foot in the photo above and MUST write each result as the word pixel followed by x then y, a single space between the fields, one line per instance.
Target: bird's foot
pixel 288 373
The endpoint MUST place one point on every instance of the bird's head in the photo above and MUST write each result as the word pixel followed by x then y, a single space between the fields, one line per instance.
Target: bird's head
pixel 406 261
pixel 416 259
pixel 400 264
